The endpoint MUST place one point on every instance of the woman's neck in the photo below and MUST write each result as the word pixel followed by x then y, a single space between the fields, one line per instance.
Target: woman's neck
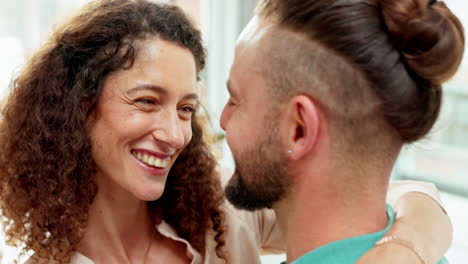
pixel 120 228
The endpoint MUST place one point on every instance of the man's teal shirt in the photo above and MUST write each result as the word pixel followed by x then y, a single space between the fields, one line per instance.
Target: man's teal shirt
pixel 348 251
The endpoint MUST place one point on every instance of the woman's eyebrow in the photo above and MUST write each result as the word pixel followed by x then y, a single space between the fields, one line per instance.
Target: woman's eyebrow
pixel 190 96
pixel 159 90
pixel 146 87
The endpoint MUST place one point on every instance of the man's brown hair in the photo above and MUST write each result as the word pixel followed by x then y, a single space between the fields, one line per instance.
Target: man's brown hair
pixel 400 51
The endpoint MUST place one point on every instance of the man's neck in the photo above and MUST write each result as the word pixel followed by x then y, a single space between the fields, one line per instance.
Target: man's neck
pixel 316 215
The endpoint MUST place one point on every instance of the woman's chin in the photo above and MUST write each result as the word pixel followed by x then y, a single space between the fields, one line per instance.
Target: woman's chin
pixel 150 194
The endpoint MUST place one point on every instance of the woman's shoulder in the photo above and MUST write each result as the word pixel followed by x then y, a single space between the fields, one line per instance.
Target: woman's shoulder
pixel 77 258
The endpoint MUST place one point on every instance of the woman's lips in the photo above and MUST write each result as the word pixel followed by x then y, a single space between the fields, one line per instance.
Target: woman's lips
pixel 152 163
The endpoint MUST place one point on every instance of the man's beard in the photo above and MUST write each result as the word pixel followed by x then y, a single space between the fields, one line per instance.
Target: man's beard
pixel 260 179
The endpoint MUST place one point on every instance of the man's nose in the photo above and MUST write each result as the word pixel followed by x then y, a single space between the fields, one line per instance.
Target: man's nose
pixel 224 118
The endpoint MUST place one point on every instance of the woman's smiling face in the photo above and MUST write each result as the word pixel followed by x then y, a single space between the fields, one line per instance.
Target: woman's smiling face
pixel 143 119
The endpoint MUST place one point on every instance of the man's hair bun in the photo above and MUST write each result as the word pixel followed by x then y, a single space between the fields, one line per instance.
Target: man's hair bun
pixel 427 34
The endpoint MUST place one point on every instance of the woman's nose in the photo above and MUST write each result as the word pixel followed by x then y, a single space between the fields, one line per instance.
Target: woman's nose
pixel 170 131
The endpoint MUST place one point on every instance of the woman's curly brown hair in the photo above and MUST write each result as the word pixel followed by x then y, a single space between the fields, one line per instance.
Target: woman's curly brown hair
pixel 46 166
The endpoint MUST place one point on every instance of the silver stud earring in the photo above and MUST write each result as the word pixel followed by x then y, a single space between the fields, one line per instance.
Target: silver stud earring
pixel 289 152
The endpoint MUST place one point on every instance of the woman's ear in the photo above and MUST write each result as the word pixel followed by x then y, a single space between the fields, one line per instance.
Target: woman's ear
pixel 303 126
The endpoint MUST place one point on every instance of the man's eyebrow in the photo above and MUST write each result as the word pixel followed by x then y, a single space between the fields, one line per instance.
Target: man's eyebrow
pixel 159 90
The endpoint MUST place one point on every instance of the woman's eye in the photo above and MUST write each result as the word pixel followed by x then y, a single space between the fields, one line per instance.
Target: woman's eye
pixel 188 109
pixel 146 101
pixel 187 112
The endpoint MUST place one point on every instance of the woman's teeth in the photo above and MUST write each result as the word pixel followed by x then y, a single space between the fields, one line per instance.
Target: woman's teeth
pixel 152 160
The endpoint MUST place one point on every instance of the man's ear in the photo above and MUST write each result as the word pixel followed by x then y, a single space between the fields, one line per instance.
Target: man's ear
pixel 303 126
